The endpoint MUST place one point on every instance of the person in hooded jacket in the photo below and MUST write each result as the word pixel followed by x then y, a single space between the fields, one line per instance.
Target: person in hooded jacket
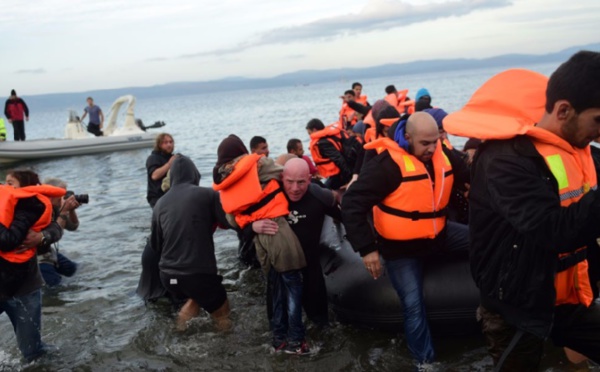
pixel 183 223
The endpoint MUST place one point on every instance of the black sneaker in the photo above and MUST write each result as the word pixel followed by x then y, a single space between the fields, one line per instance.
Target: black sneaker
pixel 297 348
pixel 279 346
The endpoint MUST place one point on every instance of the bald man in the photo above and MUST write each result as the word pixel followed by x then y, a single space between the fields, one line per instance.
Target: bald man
pixel 407 187
pixel 308 205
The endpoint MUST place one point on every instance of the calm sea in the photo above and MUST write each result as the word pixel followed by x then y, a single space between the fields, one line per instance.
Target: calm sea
pixel 96 320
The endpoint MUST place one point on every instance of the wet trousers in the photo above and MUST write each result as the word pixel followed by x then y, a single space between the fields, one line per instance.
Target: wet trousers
pixel 406 275
pixel 286 297
pixel 575 326
pixel 25 314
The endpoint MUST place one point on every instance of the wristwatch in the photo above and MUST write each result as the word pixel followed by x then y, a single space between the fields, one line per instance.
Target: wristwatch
pixel 44 239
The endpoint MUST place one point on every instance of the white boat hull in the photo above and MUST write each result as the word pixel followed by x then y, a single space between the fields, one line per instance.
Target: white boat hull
pixel 11 152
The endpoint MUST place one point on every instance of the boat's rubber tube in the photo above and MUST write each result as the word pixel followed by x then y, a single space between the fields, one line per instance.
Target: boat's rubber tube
pixel 451 297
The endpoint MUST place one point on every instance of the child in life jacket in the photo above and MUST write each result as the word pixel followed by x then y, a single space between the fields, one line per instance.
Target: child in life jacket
pixel 250 191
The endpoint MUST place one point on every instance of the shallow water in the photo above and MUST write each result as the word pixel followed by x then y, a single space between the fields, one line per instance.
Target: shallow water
pixel 99 324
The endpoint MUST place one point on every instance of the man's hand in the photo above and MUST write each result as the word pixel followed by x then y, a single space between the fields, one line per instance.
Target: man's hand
pixel 373 264
pixel 33 239
pixel 266 227
pixel 468 188
pixel 69 204
pixel 26 118
pixel 10 121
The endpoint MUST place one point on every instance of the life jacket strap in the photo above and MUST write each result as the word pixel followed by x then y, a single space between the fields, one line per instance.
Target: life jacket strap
pixel 414 215
pixel 571 260
pixel 263 202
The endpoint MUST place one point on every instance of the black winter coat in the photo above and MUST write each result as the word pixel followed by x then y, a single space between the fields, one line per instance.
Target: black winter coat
pixel 518 228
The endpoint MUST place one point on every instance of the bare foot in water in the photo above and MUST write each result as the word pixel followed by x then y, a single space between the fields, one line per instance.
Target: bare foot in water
pixel 221 317
pixel 188 311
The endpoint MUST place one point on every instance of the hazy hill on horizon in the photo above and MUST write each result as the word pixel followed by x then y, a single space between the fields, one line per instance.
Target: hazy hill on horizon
pixel 303 77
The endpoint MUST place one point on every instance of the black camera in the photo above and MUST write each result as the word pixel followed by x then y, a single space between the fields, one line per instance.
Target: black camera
pixel 81 199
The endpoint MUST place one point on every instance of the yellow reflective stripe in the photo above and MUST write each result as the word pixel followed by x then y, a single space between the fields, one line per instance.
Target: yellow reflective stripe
pixel 408 163
pixel 446 159
pixel 557 167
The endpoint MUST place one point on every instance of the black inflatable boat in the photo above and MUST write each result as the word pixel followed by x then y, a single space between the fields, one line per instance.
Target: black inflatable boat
pixel 451 297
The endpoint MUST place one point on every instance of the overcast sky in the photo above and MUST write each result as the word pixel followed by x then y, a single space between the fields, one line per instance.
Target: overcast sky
pixel 79 45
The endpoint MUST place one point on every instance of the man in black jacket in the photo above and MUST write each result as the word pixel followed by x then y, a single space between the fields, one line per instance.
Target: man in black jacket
pixel 157 165
pixel 182 236
pixel 519 226
pixel 404 258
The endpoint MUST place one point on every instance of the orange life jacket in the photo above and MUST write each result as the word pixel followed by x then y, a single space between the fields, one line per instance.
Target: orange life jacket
pixel 334 134
pixel 392 99
pixel 362 99
pixel 447 143
pixel 397 100
pixel 347 115
pixel 406 107
pixel 243 196
pixel 490 115
pixel 575 174
pixel 9 197
pixel 417 208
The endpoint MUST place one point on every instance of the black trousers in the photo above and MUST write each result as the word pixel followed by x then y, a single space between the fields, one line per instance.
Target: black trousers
pixel 19 130
pixel 575 326
pixel 95 129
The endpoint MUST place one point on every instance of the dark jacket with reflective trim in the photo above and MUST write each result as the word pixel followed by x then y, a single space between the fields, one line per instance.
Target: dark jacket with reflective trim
pixel 518 228
pixel 380 177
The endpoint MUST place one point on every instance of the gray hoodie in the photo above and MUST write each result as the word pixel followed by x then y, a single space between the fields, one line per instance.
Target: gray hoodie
pixel 183 222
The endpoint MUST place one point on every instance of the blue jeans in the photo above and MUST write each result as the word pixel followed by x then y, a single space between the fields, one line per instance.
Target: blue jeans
pixel 406 275
pixel 286 321
pixel 25 313
pixel 52 274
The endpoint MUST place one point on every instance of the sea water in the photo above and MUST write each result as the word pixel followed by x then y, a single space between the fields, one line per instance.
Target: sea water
pixel 95 319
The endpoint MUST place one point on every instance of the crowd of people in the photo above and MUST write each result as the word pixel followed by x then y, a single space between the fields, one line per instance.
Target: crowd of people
pixel 521 205
pixel 519 200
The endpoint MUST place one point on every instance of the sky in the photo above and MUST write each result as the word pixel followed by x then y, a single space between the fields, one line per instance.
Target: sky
pixel 80 45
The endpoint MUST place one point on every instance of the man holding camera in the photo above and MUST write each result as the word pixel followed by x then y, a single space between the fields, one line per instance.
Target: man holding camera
pixel 53 264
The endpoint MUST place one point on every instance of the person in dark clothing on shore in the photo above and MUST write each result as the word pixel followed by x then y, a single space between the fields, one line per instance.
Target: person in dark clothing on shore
pixel 183 223
pixel 17 113
pixel 407 187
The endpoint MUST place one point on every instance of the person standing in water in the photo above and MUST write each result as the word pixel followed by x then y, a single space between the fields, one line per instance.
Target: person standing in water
pixel 183 223
pixel 534 208
pixel 96 121
pixel 17 113
pixel 157 165
pixel 407 188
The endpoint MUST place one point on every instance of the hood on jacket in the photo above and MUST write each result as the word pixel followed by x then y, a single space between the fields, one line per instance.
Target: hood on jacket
pixel 399 135
pixel 183 170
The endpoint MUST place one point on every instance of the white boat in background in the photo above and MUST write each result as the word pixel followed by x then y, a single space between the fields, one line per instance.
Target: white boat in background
pixel 131 135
